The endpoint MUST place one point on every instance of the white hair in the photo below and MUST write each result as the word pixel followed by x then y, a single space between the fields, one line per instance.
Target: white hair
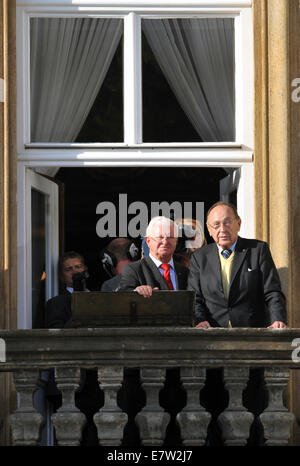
pixel 161 221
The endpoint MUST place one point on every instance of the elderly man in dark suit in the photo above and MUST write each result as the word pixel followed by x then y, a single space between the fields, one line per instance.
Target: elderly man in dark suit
pixel 235 279
pixel 158 271
pixel 236 282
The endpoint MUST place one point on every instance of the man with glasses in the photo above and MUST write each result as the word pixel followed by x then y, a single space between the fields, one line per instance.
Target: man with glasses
pixel 158 271
pixel 235 279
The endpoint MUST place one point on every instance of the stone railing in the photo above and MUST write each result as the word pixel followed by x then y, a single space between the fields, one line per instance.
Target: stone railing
pixel 154 351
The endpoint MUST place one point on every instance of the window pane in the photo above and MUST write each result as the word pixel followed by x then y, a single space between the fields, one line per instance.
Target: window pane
pixel 38 248
pixel 76 77
pixel 188 80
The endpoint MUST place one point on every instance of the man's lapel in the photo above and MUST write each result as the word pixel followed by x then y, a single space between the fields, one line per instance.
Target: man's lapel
pixel 156 274
pixel 181 278
pixel 214 261
pixel 239 257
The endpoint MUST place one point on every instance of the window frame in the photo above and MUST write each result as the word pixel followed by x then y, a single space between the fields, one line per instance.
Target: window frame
pixel 132 152
pixel 132 14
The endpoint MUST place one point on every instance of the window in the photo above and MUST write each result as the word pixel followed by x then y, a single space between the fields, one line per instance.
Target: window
pixel 125 76
pixel 69 61
pixel 71 57
pixel 127 85
pixel 196 58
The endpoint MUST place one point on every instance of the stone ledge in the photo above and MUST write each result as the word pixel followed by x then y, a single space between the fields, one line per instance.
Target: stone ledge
pixel 151 346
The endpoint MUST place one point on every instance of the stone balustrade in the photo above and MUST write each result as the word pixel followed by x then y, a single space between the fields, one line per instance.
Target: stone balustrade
pixel 153 351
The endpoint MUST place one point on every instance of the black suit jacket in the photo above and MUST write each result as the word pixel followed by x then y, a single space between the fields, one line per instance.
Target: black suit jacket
pixel 145 272
pixel 112 284
pixel 254 286
pixel 58 311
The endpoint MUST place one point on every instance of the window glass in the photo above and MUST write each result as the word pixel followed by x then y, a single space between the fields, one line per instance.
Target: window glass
pixel 188 80
pixel 70 77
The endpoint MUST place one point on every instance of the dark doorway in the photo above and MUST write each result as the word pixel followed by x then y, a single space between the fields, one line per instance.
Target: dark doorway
pixel 85 188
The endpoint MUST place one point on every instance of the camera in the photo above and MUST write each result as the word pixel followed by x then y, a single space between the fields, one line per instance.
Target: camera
pixel 78 279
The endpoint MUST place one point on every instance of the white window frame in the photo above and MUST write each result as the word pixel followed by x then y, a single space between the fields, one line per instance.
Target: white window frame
pixel 132 16
pixel 28 180
pixel 133 152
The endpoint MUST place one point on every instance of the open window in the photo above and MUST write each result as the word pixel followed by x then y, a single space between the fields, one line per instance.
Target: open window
pixel 119 85
pixel 39 239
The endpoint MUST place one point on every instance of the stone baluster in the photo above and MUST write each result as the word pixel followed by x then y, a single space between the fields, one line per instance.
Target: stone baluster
pixel 68 420
pixel 235 421
pixel 110 420
pixel 276 419
pixel 193 419
pixel 152 420
pixel 26 423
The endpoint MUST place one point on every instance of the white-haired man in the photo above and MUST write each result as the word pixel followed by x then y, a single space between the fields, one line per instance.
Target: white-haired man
pixel 158 271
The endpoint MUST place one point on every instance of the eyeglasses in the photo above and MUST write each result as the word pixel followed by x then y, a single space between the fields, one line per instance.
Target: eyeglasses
pixel 227 223
pixel 161 238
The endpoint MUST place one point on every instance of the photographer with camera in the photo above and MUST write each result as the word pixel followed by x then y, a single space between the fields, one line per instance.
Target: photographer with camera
pixel 73 274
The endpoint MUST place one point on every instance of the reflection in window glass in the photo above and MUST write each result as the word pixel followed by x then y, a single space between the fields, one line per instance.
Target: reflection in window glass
pixel 70 59
pixel 196 58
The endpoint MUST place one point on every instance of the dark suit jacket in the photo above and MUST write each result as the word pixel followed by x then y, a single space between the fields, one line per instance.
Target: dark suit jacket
pixel 112 284
pixel 58 311
pixel 145 272
pixel 254 286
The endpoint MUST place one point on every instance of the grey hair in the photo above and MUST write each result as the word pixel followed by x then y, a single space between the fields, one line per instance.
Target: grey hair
pixel 161 221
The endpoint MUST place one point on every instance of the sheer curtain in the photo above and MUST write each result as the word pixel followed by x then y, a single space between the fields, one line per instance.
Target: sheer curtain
pixel 69 61
pixel 197 58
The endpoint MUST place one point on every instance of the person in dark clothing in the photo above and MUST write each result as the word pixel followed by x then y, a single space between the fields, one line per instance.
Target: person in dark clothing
pixel 89 397
pixel 58 308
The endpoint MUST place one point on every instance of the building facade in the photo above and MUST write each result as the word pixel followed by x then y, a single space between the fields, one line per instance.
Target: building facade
pixel 256 153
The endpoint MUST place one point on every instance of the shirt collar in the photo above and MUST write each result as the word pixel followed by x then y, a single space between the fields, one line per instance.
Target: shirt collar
pixel 232 247
pixel 70 289
pixel 158 263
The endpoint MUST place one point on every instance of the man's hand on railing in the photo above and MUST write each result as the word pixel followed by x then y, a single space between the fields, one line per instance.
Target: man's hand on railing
pixel 203 324
pixel 145 290
pixel 278 324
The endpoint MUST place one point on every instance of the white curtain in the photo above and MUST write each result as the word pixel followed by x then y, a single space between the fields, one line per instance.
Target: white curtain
pixel 196 57
pixel 68 62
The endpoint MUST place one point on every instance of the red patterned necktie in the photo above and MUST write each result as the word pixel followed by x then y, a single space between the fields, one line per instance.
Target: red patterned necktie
pixel 167 276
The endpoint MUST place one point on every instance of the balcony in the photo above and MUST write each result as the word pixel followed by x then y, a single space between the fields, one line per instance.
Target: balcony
pixel 154 354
